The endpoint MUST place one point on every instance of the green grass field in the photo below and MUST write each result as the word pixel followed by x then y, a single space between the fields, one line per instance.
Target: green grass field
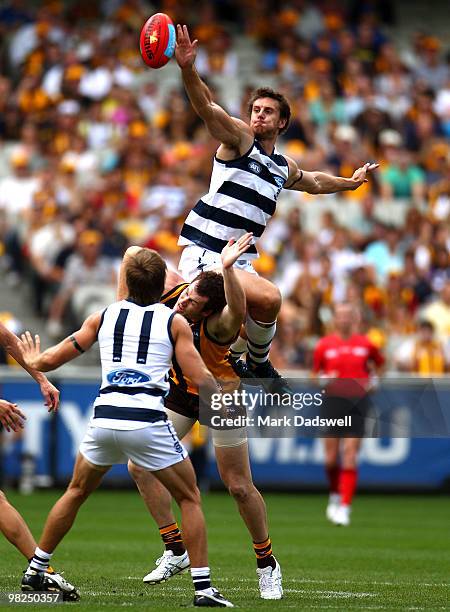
pixel 395 555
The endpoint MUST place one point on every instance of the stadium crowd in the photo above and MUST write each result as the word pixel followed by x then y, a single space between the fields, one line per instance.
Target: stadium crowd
pixel 96 154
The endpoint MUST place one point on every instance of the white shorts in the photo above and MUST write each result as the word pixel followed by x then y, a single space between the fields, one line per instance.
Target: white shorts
pixel 220 437
pixel 195 259
pixel 154 447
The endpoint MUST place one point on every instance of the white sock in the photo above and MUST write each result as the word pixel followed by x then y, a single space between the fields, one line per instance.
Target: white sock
pixel 238 348
pixel 334 498
pixel 201 577
pixel 40 561
pixel 259 339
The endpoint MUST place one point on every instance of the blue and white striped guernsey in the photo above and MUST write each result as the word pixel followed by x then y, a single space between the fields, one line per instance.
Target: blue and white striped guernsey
pixel 242 198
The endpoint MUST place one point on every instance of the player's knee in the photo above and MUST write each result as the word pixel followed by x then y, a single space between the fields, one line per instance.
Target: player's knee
pixel 239 490
pixel 349 461
pixel 3 500
pixel 268 304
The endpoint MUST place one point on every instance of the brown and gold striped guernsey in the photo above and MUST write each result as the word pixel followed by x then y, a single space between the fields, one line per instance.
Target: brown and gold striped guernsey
pixel 214 353
pixel 170 298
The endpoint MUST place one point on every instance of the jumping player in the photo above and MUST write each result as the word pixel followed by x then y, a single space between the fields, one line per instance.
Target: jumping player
pixel 214 303
pixel 138 337
pixel 247 177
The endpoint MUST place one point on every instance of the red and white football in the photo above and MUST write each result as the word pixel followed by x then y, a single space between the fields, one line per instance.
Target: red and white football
pixel 157 40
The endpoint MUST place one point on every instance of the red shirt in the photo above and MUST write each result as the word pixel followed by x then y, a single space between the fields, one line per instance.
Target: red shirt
pixel 346 358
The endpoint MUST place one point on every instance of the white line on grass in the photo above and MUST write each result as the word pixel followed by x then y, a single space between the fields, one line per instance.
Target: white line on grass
pixel 331 594
pixel 345 581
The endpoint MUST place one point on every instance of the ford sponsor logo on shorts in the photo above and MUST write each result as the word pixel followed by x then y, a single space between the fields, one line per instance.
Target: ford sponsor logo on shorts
pixel 279 180
pixel 127 377
pixel 254 167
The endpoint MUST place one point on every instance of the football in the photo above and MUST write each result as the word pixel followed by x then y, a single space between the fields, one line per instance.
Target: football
pixel 157 40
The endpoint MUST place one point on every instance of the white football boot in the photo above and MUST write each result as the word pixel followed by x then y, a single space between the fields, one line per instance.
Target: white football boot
pixel 342 516
pixel 167 566
pixel 333 504
pixel 270 586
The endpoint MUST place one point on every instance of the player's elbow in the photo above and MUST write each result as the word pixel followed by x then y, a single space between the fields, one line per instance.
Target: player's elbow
pixel 238 313
pixel 205 380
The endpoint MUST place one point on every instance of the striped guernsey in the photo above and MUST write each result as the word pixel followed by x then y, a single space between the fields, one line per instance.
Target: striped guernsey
pixel 242 198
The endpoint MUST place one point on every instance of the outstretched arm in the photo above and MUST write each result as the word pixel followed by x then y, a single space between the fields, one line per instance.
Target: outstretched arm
pixel 226 324
pixel 49 392
pixel 69 348
pixel 321 182
pixel 231 132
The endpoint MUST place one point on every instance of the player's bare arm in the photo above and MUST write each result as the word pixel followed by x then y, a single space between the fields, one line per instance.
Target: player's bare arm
pixel 321 182
pixel 235 135
pixel 225 325
pixel 66 350
pixel 49 392
pixel 187 356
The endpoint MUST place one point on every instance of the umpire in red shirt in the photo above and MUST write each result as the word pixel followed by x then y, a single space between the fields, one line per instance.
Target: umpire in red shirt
pixel 349 359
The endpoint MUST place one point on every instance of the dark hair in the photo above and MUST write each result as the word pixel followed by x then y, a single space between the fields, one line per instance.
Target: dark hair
pixel 210 285
pixel 145 276
pixel 268 92
pixel 425 324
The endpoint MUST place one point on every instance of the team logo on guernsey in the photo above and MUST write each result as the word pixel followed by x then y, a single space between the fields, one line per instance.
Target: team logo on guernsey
pixel 127 377
pixel 255 167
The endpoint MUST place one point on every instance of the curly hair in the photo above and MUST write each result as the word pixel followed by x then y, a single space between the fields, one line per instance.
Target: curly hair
pixel 268 92
pixel 210 285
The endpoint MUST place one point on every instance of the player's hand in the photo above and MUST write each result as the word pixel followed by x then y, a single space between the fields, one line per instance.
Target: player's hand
pixel 50 394
pixel 185 50
pixel 10 416
pixel 30 349
pixel 234 249
pixel 360 175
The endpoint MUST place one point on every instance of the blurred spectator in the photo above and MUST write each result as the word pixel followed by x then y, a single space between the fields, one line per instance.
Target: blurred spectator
pixel 438 313
pixel 400 177
pixel 385 254
pixel 17 190
pixel 424 354
pixel 217 57
pixel 431 68
pixel 45 244
pixel 89 279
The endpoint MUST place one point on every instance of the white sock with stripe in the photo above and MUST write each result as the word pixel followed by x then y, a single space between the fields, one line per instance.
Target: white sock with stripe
pixel 40 561
pixel 259 339
pixel 201 577
pixel 238 348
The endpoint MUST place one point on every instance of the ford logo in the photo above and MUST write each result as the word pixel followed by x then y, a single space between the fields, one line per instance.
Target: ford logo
pixel 127 377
